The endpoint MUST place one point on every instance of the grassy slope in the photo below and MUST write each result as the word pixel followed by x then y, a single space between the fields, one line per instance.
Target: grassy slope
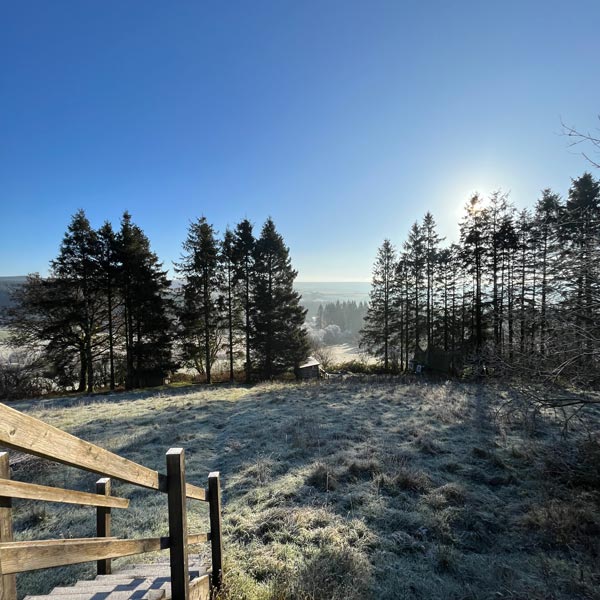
pixel 344 490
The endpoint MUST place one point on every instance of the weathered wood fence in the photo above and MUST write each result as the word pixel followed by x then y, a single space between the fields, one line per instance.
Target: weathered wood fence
pixel 29 435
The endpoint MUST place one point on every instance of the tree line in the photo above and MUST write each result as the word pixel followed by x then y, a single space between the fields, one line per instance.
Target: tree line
pixel 348 315
pixel 108 315
pixel 335 322
pixel 519 291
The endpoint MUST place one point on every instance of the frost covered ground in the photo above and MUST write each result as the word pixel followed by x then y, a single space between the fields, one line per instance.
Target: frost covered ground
pixel 349 489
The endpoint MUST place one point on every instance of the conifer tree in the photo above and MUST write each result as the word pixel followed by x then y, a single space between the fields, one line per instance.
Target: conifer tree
pixel 431 241
pixel 143 286
pixel 244 248
pixel 547 216
pixel 200 313
pixel 41 321
pixel 382 315
pixel 76 269
pixel 278 338
pixel 415 255
pixel 473 236
pixel 232 306
pixel 108 278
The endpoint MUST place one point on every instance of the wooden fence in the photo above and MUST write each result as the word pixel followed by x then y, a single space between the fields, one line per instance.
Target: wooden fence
pixel 29 435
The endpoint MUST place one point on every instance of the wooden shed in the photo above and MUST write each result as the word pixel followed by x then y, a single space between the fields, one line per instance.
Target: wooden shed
pixel 311 369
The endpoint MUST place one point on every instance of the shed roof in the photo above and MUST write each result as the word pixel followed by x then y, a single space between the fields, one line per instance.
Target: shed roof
pixel 311 361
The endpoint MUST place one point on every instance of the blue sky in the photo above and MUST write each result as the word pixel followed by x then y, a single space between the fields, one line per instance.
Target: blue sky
pixel 343 120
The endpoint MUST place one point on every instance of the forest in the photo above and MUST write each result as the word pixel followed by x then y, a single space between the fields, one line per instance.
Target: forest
pixel 107 315
pixel 518 294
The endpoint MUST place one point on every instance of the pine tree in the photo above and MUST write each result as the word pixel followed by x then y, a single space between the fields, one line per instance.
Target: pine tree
pixel 244 249
pixel 415 253
pixel 230 297
pixel 503 247
pixel 580 236
pixel 143 286
pixel 473 237
pixel 382 315
pixel 108 278
pixel 42 322
pixel 547 216
pixel 431 241
pixel 201 313
pixel 278 338
pixel 77 269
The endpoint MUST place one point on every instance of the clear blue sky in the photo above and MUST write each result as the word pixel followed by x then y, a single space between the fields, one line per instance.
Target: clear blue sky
pixel 343 120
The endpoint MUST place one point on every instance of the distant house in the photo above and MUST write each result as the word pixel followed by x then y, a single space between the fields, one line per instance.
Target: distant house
pixel 311 369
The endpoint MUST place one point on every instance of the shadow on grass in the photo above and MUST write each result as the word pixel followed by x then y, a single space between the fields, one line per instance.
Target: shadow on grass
pixel 387 490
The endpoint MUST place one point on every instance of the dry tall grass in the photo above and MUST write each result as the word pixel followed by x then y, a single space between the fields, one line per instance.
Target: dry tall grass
pixel 351 490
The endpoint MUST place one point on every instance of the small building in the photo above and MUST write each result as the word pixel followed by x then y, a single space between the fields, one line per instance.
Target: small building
pixel 311 369
pixel 436 360
pixel 151 377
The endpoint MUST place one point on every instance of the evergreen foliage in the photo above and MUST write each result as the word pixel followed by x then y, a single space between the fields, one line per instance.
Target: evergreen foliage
pixel 278 340
pixel 143 286
pixel 382 315
pixel 244 256
pixel 102 317
pixel 107 315
pixel 520 292
pixel 231 300
pixel 201 313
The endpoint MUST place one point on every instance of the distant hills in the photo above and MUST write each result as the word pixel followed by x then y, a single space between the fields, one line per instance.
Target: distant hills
pixel 7 285
pixel 332 291
pixel 313 292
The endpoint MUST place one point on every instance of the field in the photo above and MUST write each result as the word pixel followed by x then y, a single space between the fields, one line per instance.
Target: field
pixel 350 489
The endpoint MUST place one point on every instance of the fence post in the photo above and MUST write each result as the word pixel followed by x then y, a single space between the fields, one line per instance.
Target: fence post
pixel 216 539
pixel 103 519
pixel 180 579
pixel 8 586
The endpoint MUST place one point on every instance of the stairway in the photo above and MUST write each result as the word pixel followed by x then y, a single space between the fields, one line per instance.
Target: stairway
pixel 133 582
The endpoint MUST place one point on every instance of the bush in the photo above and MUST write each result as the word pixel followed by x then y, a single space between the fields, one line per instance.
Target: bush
pixel 21 378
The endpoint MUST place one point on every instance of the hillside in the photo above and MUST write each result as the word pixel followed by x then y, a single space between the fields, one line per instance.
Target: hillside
pixel 7 285
pixel 349 490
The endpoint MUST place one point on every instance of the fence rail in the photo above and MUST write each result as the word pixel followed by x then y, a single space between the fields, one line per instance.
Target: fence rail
pixel 32 436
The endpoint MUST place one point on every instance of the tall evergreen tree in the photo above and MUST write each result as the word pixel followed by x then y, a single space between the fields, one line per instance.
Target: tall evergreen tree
pixel 108 278
pixel 230 296
pixel 244 259
pixel 278 338
pixel 473 237
pixel 547 216
pixel 580 233
pixel 201 315
pixel 382 315
pixel 143 286
pixel 77 269
pixel 431 241
pixel 415 254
